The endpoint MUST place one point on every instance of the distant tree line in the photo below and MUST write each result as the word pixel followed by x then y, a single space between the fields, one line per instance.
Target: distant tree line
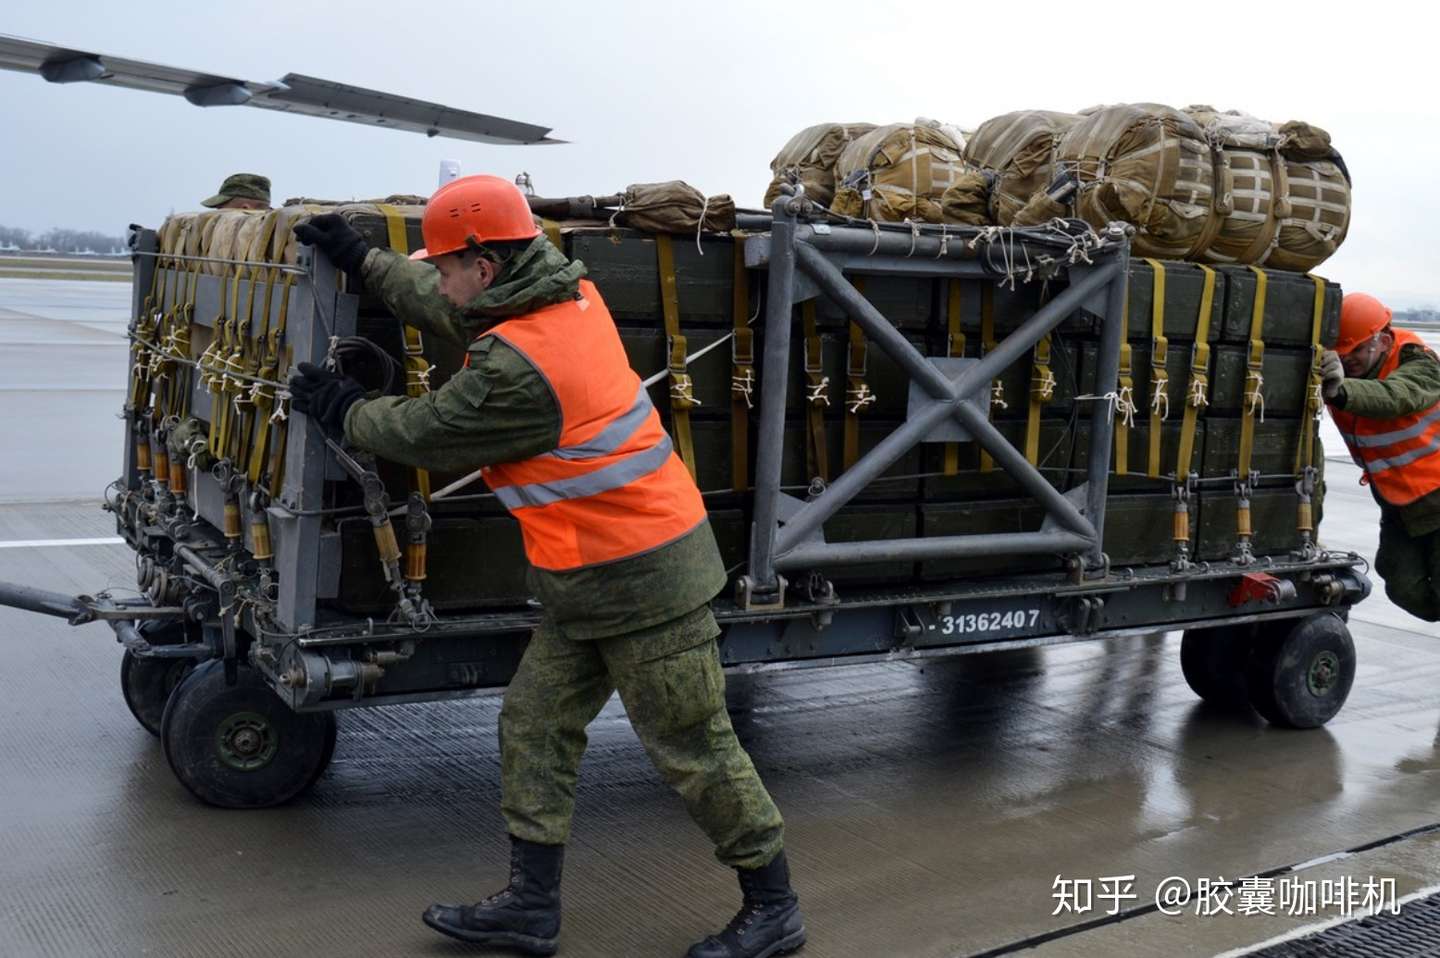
pixel 1427 316
pixel 60 240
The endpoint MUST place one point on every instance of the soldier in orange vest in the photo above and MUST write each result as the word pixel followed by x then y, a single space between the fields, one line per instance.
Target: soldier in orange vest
pixel 623 559
pixel 1382 385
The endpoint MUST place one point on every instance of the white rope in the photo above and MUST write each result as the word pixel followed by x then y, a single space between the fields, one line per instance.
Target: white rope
pixel 1160 398
pixel 876 228
pixel 820 392
pixel 652 380
pixel 857 398
pixel 744 386
pixel 700 226
pixel 1125 402
pixel 1198 399
pixel 1120 404
pixel 944 243
pixel 1256 397
pixel 997 396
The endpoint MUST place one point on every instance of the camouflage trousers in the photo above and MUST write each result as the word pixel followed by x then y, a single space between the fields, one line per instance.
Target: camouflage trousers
pixel 670 681
pixel 1410 567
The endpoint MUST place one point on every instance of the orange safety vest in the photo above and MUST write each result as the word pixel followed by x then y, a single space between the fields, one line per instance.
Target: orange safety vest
pixel 614 487
pixel 1400 456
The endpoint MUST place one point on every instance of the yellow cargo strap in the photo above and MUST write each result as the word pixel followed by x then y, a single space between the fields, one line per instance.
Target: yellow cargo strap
pixel 147 326
pixel 177 346
pixel 1159 371
pixel 1305 471
pixel 1197 392
pixel 249 352
pixel 1314 399
pixel 1125 393
pixel 682 387
pixel 266 401
pixel 277 335
pixel 1042 390
pixel 261 396
pixel 857 390
pixel 987 343
pixel 417 370
pixel 553 234
pixel 817 397
pixel 742 371
pixel 1254 378
pixel 145 360
pixel 217 383
pixel 242 361
pixel 955 348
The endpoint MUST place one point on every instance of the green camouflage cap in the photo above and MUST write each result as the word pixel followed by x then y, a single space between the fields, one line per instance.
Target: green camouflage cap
pixel 248 186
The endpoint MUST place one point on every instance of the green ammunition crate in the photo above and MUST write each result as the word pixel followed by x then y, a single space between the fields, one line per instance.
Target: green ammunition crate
pixel 862 523
pixel 982 518
pixel 1057 437
pixel 622 264
pixel 1276 443
pixel 1137 478
pixel 471 563
pixel 1273 515
pixel 1139 528
pixel 1289 308
pixel 795 478
pixel 1286 371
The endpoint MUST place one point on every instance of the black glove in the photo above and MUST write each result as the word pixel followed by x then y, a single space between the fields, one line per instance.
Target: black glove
pixel 338 239
pixel 324 396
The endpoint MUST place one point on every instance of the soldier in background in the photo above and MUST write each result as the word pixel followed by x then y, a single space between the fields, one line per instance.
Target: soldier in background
pixel 241 191
pixel 623 558
pixel 1383 388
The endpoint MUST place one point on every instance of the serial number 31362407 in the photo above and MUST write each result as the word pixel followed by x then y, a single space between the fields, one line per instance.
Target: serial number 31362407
pixel 972 623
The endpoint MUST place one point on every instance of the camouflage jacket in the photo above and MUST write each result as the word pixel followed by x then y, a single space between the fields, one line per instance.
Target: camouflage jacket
pixel 1413 386
pixel 500 409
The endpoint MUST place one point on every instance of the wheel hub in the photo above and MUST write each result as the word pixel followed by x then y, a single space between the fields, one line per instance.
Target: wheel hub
pixel 1324 673
pixel 246 741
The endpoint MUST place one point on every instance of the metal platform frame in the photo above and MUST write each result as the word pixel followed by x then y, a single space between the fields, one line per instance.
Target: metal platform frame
pixel 326 660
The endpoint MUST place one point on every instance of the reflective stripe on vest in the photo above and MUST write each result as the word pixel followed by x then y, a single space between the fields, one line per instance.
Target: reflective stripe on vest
pixel 613 486
pixel 1400 456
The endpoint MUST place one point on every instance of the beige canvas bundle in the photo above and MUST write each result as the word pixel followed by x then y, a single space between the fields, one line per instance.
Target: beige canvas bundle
pixel 809 159
pixel 1019 150
pixel 675 207
pixel 1284 196
pixel 898 172
pixel 1148 165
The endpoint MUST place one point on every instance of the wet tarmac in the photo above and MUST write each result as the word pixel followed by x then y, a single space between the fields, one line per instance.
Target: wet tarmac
pixel 930 806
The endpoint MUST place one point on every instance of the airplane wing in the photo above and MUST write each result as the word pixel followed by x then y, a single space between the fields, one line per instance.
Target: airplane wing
pixel 293 93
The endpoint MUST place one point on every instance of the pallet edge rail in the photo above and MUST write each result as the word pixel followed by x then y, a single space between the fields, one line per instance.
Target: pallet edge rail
pixel 272 634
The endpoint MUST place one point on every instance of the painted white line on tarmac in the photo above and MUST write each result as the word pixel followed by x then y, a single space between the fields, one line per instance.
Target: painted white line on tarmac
pixel 49 543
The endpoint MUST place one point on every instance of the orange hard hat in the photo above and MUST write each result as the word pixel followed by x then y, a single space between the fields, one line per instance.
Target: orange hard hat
pixel 1361 316
pixel 485 209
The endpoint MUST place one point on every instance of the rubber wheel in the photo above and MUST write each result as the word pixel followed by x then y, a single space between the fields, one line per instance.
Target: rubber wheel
pixel 1215 663
pixel 146 683
pixel 240 746
pixel 1300 677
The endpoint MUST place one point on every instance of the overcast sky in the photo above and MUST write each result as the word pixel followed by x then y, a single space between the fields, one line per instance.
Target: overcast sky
pixel 704 92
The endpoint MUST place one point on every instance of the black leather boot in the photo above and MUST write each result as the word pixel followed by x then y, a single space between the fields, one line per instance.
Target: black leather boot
pixel 524 916
pixel 767 924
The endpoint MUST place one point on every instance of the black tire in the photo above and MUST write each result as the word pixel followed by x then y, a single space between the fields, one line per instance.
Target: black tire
pixel 1215 663
pixel 240 746
pixel 146 683
pixel 1300 677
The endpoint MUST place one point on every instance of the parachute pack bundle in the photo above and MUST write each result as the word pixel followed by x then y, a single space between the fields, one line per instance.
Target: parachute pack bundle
pixel 1216 380
pixel 1203 185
